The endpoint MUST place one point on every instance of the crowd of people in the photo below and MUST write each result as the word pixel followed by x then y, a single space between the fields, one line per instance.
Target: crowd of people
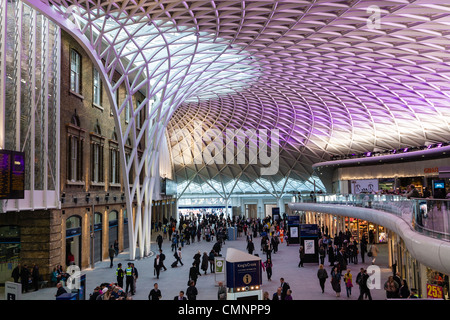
pixel 340 251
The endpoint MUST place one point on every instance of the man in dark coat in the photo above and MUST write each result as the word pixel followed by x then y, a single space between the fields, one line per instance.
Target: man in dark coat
pixel 250 247
pixel 16 273
pixel 24 278
pixel 193 273
pixel 284 288
pixel 159 240
pixel 157 265
pixel 60 290
pixel 192 291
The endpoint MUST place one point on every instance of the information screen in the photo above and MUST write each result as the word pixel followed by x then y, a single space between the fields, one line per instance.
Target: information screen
pixel 12 174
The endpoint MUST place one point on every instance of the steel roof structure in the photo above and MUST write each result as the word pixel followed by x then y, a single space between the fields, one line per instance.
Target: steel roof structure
pixel 312 77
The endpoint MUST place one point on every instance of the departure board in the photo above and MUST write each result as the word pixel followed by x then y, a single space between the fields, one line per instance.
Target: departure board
pixel 12 174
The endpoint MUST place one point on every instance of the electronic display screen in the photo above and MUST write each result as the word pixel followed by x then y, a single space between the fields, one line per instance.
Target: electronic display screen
pixel 12 174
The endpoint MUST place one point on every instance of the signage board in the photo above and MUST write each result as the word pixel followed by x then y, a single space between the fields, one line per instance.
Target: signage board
pixel 309 247
pixel 12 174
pixel 13 291
pixel 364 186
pixel 293 231
pixel 434 291
pixel 219 263
pixel 242 269
pixel 293 219
pixel 309 230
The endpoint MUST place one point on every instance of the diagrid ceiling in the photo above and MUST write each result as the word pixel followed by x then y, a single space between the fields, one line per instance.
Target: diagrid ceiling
pixel 333 77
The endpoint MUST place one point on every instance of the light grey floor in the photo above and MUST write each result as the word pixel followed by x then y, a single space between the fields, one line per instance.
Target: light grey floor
pixel 303 281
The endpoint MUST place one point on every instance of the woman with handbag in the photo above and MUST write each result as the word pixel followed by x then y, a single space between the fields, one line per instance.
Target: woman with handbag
pixel 348 283
pixel 336 280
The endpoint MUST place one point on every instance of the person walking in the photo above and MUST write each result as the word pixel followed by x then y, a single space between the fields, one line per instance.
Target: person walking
pixel 364 290
pixel 157 265
pixel 112 254
pixel 322 275
pixel 373 252
pixel 301 252
pixel 331 255
pixel 162 256
pixel 348 283
pixel 119 275
pixel 197 260
pixel 193 273
pixel 222 292
pixel 155 293
pixel 336 280
pixel 268 266
pixel 250 247
pixel 205 262
pixel 322 254
pixel 363 248
pixel 159 241
pixel 177 256
pixel 192 291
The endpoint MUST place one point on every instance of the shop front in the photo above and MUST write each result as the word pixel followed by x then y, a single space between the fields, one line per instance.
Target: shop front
pixel 373 232
pixel 429 283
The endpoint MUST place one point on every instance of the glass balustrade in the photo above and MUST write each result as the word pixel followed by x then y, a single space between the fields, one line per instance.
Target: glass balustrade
pixel 428 216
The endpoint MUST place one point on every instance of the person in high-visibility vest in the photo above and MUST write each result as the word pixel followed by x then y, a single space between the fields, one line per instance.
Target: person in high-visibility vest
pixel 129 279
pixel 120 275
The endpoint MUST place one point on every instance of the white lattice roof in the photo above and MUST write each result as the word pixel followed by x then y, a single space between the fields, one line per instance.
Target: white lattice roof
pixel 323 73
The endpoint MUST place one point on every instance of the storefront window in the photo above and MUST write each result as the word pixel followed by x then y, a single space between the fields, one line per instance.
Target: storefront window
pixel 9 251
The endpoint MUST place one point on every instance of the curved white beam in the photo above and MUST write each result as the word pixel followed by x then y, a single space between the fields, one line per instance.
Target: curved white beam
pixel 431 252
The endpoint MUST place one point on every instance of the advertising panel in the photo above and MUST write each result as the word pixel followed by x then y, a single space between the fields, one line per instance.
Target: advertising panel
pixel 309 247
pixel 434 291
pixel 364 186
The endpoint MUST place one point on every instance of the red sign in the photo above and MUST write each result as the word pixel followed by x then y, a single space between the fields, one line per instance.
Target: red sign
pixel 434 292
pixel 431 170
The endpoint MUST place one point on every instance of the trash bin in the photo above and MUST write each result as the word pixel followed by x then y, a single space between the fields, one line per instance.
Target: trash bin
pixel 67 296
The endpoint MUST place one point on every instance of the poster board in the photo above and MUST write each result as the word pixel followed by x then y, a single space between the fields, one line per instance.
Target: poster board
pixel 364 186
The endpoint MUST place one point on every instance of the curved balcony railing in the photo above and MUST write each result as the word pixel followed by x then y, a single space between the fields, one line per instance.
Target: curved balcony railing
pixel 429 216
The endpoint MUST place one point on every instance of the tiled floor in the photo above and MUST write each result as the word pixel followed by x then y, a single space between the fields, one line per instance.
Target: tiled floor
pixel 303 281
